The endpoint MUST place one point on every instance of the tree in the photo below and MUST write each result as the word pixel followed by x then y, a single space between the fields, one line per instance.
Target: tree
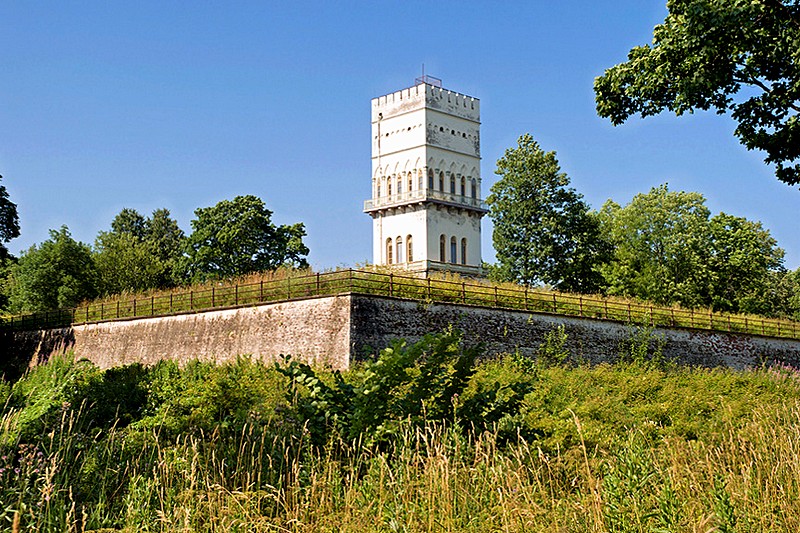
pixel 125 263
pixel 744 259
pixel 9 229
pixel 667 249
pixel 9 221
pixel 129 221
pixel 167 241
pixel 139 253
pixel 737 56
pixel 543 230
pixel 237 237
pixel 661 244
pixel 60 272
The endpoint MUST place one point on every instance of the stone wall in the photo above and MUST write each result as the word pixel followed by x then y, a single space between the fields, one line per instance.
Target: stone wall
pixel 332 331
pixel 377 320
pixel 317 329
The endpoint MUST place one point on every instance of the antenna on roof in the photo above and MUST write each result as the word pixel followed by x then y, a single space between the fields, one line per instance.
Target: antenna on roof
pixel 429 80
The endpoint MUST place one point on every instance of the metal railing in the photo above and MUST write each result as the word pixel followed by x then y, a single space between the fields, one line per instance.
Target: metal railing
pixel 424 195
pixel 431 290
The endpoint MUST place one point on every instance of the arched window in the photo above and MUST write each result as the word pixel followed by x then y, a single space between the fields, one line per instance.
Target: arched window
pixel 399 185
pixel 463 186
pixel 409 250
pixel 419 180
pixel 430 178
pixel 474 188
pixel 452 184
pixel 388 251
pixel 410 182
pixel 378 190
pixel 389 187
pixel 464 251
pixel 441 181
pixel 399 250
pixel 441 249
pixel 453 257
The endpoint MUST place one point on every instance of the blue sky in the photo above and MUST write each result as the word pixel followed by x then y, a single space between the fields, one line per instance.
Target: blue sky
pixel 105 105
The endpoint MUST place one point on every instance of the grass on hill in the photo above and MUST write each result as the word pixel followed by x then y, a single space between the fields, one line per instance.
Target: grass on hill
pixel 286 284
pixel 425 438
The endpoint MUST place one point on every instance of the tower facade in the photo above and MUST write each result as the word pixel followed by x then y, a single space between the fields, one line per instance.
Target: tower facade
pixel 426 202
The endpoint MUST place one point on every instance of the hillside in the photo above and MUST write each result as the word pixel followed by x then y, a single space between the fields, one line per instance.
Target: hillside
pixel 422 439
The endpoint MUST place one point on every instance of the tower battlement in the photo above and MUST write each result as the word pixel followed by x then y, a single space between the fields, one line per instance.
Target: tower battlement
pixel 422 96
pixel 426 204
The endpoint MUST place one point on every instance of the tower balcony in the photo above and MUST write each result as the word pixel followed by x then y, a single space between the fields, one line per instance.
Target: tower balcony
pixel 425 195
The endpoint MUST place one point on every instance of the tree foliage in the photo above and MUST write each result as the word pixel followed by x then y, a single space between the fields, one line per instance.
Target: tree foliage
pixel 9 221
pixel 745 263
pixel 139 253
pixel 543 230
pixel 668 249
pixel 9 229
pixel 661 241
pixel 238 236
pixel 60 272
pixel 737 56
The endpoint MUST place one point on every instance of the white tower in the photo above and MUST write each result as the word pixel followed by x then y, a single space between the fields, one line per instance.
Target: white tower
pixel 426 202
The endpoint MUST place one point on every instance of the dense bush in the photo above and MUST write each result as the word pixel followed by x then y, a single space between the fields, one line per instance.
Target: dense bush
pixel 426 431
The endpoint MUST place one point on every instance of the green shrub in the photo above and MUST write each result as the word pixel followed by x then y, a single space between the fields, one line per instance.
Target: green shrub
pixel 494 395
pixel 405 384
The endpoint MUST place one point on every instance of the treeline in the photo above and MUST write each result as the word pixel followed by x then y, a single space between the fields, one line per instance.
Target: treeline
pixel 664 246
pixel 138 253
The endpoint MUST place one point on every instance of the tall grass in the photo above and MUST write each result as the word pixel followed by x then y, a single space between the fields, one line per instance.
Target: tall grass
pixel 624 448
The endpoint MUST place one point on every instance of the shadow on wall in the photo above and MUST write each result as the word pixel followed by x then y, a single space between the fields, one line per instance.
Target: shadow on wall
pixel 20 350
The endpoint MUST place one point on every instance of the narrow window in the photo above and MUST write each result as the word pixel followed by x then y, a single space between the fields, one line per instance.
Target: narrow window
pixel 389 187
pixel 441 181
pixel 441 249
pixel 453 257
pixel 409 250
pixel 430 179
pixel 399 185
pixel 410 182
pixel 463 251
pixel 419 180
pixel 463 186
pixel 452 184
pixel 399 250
pixel 388 251
pixel 474 188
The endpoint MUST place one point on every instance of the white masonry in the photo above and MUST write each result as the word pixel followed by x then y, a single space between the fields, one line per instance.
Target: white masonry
pixel 426 184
